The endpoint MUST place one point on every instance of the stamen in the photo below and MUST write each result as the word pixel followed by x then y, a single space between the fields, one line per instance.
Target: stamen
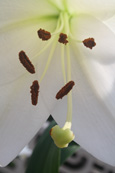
pixel 49 60
pixel 65 90
pixel 26 62
pixel 34 92
pixel 69 96
pixel 44 35
pixel 58 29
pixel 63 38
pixel 63 63
pixel 60 25
pixel 89 42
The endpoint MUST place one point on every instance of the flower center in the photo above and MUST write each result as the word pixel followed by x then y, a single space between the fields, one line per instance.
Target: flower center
pixel 62 34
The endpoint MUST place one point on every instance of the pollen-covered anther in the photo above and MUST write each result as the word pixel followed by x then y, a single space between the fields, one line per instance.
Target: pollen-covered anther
pixel 89 42
pixel 44 35
pixel 34 92
pixel 26 62
pixel 65 90
pixel 61 137
pixel 63 38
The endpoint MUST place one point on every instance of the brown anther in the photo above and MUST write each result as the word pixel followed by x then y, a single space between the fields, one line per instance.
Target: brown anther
pixel 34 92
pixel 63 38
pixel 89 42
pixel 65 90
pixel 26 62
pixel 44 35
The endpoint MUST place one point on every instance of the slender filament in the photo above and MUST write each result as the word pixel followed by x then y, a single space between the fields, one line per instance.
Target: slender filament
pixel 63 63
pixel 48 61
pixel 69 97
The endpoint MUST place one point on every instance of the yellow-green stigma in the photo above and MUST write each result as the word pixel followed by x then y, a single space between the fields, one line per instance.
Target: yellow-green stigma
pixel 61 136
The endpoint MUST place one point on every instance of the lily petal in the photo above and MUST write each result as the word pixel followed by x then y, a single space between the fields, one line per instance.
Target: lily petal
pixel 98 118
pixel 19 119
pixel 111 23
pixel 13 12
pixel 17 112
pixel 93 95
pixel 101 58
pixel 12 41
pixel 103 9
pixel 93 119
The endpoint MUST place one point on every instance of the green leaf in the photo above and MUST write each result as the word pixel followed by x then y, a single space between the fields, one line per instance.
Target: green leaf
pixel 46 156
pixel 69 151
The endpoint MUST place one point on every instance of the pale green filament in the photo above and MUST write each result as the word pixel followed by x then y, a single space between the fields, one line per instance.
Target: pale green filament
pixel 68 63
pixel 69 96
pixel 65 4
pixel 63 63
pixel 66 23
pixel 60 25
pixel 43 50
pixel 73 38
pixel 49 60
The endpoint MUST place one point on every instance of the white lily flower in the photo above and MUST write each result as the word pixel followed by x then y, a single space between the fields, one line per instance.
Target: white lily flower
pixel 90 105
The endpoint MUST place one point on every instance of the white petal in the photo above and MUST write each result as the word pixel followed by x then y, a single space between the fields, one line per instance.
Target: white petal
pixel 101 58
pixel 14 11
pixel 19 24
pixel 94 93
pixel 19 119
pixel 53 80
pixel 97 115
pixel 13 40
pixel 111 23
pixel 102 9
pixel 93 121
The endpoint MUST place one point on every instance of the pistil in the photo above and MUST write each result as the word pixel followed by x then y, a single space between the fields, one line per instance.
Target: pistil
pixel 63 136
